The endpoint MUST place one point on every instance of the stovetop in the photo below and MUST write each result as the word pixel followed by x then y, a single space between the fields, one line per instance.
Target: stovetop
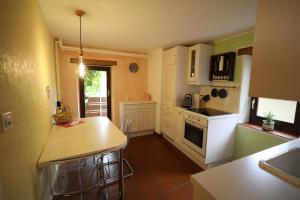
pixel 207 111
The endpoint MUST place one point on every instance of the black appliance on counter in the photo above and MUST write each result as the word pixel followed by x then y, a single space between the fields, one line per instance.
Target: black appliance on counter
pixel 222 66
pixel 187 101
pixel 208 111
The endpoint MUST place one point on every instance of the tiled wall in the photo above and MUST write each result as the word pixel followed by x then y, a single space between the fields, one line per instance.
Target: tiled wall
pixel 228 104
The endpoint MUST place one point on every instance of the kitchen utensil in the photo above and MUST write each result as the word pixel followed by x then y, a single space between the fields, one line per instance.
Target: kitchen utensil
pixel 187 101
pixel 206 98
pixel 222 93
pixel 196 100
pixel 214 92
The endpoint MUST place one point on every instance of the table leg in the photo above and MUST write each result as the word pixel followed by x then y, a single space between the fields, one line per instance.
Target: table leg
pixel 121 177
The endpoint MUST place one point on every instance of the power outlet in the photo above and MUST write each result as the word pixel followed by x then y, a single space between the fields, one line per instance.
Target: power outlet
pixel 7 121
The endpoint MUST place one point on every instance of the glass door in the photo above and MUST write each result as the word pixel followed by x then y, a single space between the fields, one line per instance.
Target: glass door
pixel 95 95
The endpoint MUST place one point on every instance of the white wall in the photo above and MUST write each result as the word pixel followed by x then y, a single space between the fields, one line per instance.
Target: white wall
pixel 154 82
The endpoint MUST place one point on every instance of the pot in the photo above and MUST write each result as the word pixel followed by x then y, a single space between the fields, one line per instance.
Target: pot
pixel 268 125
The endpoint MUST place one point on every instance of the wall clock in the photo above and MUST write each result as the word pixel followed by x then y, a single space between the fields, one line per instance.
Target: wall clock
pixel 133 67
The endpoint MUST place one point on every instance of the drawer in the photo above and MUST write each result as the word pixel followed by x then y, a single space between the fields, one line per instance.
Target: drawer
pixel 196 119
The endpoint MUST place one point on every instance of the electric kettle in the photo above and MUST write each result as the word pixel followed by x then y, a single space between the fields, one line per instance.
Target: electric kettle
pixel 187 101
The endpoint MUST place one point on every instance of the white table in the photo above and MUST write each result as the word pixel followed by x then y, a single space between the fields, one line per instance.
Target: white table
pixel 95 136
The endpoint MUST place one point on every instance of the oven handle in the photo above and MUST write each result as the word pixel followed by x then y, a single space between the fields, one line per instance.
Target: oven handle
pixel 193 123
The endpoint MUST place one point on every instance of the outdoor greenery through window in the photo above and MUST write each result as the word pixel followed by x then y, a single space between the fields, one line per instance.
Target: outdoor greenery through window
pixel 95 93
pixel 95 84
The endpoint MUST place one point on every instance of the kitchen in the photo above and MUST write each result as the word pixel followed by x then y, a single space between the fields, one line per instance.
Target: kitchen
pixel 197 105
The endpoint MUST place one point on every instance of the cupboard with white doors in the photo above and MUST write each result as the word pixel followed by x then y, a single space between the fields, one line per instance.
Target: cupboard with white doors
pixel 142 114
pixel 174 71
pixel 172 125
pixel 199 64
pixel 174 87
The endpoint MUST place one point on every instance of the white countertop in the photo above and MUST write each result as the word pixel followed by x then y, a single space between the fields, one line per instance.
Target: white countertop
pixel 96 135
pixel 243 179
pixel 137 102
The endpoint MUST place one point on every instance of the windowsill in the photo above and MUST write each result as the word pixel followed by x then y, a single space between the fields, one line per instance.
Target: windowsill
pixel 276 133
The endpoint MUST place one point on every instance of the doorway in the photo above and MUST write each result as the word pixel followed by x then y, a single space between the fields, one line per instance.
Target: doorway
pixel 94 89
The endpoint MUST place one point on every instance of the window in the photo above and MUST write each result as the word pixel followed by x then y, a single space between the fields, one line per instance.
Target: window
pixel 286 113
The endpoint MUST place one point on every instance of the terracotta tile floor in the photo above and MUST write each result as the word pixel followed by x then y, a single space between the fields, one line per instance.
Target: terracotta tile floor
pixel 160 172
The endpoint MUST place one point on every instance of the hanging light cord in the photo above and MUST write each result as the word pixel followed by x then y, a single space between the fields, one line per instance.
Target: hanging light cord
pixel 81 52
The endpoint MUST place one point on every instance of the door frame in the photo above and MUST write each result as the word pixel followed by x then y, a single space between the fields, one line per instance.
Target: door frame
pixel 81 89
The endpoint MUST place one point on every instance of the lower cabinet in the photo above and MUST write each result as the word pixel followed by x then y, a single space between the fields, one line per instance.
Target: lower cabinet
pixel 172 123
pixel 142 115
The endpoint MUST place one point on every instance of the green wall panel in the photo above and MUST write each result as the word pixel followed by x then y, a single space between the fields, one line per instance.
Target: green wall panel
pixel 249 141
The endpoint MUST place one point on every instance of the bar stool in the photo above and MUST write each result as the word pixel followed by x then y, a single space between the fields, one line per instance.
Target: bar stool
pixel 127 132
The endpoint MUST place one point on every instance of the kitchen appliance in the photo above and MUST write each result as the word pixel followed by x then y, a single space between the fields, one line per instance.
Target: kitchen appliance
pixel 209 112
pixel 196 100
pixel 187 101
pixel 195 133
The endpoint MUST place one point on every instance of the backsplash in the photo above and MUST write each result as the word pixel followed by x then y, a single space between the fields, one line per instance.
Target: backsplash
pixel 227 104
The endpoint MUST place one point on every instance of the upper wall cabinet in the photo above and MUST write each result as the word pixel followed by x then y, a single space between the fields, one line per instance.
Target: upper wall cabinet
pixel 198 64
pixel 276 60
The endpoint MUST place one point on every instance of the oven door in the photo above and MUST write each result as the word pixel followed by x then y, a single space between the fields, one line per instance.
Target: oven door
pixel 195 137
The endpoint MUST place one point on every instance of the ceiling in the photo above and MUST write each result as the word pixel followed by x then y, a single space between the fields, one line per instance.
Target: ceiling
pixel 141 25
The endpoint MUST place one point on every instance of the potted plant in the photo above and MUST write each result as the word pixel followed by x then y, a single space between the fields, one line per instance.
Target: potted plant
pixel 268 122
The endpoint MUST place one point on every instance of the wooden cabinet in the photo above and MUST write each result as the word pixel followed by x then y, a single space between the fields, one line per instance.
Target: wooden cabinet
pixel 276 63
pixel 142 115
pixel 199 64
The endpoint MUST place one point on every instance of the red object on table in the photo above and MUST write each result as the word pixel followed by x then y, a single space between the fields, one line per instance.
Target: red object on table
pixel 72 123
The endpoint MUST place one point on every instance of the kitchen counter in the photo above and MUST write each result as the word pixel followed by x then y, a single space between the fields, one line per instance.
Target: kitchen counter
pixel 138 102
pixel 244 179
pixel 208 117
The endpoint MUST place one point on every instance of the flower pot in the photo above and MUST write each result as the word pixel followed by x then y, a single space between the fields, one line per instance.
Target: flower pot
pixel 268 125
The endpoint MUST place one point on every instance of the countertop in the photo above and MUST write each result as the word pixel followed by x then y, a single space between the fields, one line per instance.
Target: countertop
pixel 95 135
pixel 137 102
pixel 244 179
pixel 208 117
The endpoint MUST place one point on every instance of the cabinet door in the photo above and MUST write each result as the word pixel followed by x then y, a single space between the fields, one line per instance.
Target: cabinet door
pixel 146 119
pixel 193 64
pixel 134 116
pixel 169 57
pixel 179 126
pixel 169 124
pixel 168 86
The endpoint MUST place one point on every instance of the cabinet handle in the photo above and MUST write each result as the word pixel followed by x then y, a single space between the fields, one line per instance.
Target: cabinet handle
pixel 252 104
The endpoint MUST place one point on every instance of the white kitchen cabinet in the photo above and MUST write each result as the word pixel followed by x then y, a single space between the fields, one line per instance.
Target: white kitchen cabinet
pixel 178 125
pixel 146 119
pixel 168 85
pixel 167 122
pixel 141 113
pixel 199 64
pixel 174 87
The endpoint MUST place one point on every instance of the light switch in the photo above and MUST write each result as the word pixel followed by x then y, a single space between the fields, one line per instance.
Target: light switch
pixel 7 121
pixel 48 92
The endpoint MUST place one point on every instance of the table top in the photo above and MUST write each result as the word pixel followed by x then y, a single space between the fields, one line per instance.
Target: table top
pixel 244 179
pixel 96 135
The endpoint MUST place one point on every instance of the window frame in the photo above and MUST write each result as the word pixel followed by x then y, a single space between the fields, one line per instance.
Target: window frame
pixel 286 127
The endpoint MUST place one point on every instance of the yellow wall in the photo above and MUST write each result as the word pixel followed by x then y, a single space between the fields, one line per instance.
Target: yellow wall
pixel 26 68
pixel 124 83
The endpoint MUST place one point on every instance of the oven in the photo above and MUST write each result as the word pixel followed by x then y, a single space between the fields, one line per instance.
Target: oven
pixel 195 133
